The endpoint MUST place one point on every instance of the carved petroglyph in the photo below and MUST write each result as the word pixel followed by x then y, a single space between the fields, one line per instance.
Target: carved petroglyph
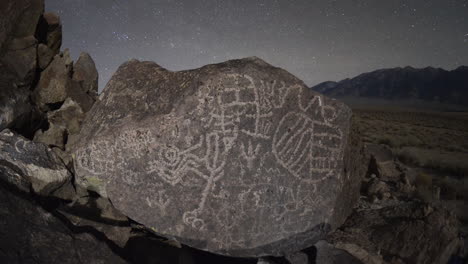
pixel 235 114
pixel 249 153
pixel 160 200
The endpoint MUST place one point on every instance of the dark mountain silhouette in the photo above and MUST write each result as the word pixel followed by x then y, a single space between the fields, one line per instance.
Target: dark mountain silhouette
pixel 427 84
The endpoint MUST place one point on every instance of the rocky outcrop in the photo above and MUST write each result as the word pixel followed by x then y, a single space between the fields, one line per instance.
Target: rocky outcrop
pixel 238 158
pixel 65 92
pixel 18 62
pixel 391 224
pixel 36 78
pixel 408 232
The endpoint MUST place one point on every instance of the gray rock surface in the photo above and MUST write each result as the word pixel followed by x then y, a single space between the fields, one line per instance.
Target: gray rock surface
pixel 30 234
pixel 85 73
pixel 55 82
pixel 238 158
pixel 30 165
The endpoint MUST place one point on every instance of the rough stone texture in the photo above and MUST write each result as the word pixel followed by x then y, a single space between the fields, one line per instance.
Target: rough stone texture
pixel 21 56
pixel 53 37
pixel 14 100
pixel 83 99
pixel 409 232
pixel 70 115
pixel 29 165
pixel 85 73
pixel 54 136
pixel 55 82
pixel 44 56
pixel 238 158
pixel 18 19
pixel 30 234
pixel 63 123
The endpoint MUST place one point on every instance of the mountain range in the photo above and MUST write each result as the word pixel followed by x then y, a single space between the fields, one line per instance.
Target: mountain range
pixel 404 84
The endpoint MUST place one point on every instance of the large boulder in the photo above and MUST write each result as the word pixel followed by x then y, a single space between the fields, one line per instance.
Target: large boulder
pixel 30 165
pixel 238 158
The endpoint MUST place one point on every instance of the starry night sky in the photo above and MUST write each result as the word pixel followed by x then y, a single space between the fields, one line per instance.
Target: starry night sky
pixel 315 40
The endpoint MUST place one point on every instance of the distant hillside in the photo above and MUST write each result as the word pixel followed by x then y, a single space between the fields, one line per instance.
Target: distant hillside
pixel 427 84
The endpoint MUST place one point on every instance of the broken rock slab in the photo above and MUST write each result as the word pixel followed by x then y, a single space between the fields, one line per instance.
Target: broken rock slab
pixel 30 165
pixel 238 158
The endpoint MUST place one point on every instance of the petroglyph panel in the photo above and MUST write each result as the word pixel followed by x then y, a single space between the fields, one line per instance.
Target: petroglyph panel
pixel 242 163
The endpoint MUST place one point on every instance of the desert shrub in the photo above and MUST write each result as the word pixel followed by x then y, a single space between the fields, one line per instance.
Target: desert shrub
pixel 423 179
pixel 385 140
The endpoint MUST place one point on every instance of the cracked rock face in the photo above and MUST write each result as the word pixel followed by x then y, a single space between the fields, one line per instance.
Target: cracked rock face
pixel 238 158
pixel 27 164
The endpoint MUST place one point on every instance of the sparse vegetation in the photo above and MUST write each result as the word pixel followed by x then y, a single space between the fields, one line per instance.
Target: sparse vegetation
pixel 435 144
pixel 433 140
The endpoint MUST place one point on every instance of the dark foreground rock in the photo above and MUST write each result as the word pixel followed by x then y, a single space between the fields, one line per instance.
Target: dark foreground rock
pixel 15 107
pixel 409 232
pixel 30 234
pixel 238 158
